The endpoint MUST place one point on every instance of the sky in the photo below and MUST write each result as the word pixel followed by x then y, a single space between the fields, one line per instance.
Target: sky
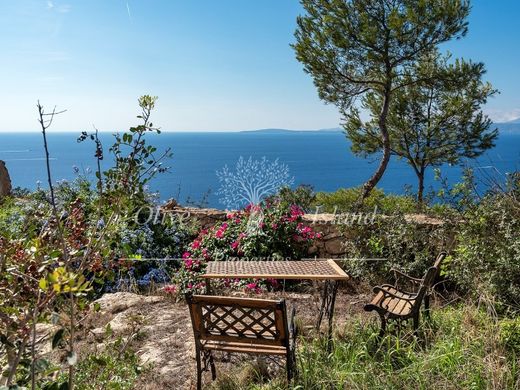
pixel 221 65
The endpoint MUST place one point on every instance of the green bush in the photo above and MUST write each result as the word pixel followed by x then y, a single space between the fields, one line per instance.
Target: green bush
pixel 403 243
pixel 266 232
pixel 457 350
pixel 510 334
pixel 486 261
pixel 347 200
pixel 302 196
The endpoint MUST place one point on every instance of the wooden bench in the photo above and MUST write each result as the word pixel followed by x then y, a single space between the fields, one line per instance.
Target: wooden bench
pixel 395 303
pixel 240 325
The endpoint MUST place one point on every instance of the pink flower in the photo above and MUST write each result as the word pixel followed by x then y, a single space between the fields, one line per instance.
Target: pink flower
pixel 188 263
pixel 195 244
pixel 170 289
pixel 234 244
pixel 219 233
pixel 296 211
pixel 274 226
pixel 186 255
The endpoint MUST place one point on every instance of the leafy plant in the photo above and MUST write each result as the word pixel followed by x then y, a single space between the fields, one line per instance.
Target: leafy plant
pixel 269 231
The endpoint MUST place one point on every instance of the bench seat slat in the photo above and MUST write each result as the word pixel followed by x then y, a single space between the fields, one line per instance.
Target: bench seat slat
pixel 244 348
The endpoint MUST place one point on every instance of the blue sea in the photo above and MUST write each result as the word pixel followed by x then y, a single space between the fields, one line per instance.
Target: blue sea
pixel 321 159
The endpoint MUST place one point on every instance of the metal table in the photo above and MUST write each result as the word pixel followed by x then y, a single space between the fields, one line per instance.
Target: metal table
pixel 326 270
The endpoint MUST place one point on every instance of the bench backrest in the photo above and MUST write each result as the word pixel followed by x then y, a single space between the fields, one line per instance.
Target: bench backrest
pixel 242 320
pixel 431 274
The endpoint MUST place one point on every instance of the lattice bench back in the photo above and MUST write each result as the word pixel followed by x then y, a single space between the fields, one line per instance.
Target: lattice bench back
pixel 242 320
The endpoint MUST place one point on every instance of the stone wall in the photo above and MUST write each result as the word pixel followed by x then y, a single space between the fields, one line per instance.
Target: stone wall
pixel 333 235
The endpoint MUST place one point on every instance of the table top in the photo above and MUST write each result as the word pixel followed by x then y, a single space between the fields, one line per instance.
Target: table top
pixel 282 269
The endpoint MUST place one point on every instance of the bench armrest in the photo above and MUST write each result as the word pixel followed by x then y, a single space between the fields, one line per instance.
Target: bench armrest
pixel 386 293
pixel 402 291
pixel 416 282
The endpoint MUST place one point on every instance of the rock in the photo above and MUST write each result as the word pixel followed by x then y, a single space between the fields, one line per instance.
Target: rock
pixel 335 246
pixel 170 205
pixel 5 180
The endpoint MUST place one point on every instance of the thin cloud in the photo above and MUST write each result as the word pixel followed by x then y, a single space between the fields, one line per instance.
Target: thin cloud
pixel 499 116
pixel 61 8
pixel 128 10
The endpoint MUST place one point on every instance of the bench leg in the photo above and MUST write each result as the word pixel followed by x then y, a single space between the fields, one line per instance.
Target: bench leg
pixel 291 366
pixel 427 306
pixel 199 369
pixel 212 366
pixel 383 325
pixel 416 323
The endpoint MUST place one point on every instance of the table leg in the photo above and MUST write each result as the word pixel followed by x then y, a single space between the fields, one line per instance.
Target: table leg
pixel 328 301
pixel 208 287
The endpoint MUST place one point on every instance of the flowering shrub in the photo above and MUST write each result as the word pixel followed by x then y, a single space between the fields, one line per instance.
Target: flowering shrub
pixel 156 244
pixel 269 231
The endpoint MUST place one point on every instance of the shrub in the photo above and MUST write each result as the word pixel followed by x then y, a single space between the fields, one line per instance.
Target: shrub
pixel 302 196
pixel 269 231
pixel 347 200
pixel 403 243
pixel 510 334
pixel 486 262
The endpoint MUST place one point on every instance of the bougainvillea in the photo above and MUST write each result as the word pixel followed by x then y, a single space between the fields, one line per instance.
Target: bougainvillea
pixel 266 232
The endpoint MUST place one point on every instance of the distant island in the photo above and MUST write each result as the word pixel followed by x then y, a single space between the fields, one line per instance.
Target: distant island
pixel 286 131
pixel 510 127
pixel 514 121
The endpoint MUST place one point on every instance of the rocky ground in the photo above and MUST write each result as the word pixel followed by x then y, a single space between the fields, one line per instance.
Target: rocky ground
pixel 162 334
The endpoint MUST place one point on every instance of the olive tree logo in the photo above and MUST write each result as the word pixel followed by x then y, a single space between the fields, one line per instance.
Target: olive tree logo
pixel 251 182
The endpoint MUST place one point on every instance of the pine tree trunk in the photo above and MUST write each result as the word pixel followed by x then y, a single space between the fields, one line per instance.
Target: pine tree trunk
pixel 420 188
pixel 385 138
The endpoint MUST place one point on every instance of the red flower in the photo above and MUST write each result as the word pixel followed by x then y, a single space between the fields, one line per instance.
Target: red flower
pixel 170 289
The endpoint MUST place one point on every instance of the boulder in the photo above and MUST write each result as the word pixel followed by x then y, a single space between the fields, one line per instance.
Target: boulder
pixel 5 180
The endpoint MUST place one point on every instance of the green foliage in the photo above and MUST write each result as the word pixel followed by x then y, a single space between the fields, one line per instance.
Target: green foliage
pixel 458 350
pixel 346 200
pixel 432 122
pixel 486 261
pixel 54 244
pixel 510 334
pixel 115 368
pixel 394 241
pixel 353 48
pixel 269 231
pixel 135 162
pixel 302 196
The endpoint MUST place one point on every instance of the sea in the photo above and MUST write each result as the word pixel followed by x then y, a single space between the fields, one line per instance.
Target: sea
pixel 321 159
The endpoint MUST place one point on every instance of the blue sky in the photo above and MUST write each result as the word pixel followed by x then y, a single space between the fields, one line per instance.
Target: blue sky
pixel 215 65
